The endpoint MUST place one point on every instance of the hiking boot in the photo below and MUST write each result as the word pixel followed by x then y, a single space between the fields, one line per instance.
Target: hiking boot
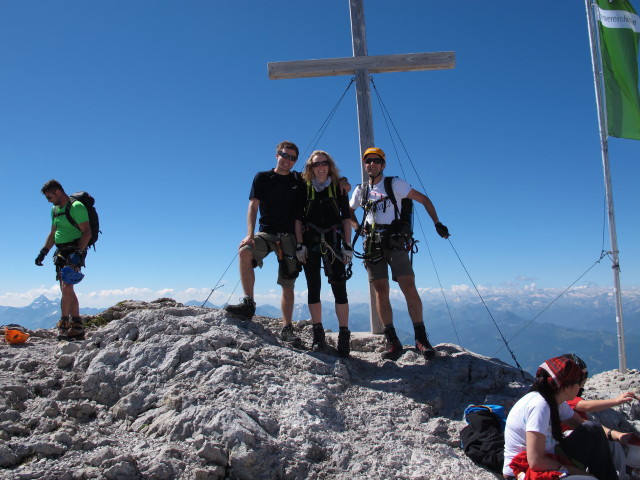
pixel 344 346
pixel 63 323
pixel 319 342
pixel 426 350
pixel 74 330
pixel 394 347
pixel 245 309
pixel 422 341
pixel 287 335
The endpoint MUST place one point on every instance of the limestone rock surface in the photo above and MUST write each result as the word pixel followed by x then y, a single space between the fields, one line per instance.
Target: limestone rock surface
pixel 164 391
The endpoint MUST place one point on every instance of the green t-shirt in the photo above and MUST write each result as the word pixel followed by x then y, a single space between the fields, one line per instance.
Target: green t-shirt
pixel 65 231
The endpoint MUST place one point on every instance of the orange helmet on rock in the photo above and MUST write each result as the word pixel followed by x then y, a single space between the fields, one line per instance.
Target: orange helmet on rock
pixel 15 336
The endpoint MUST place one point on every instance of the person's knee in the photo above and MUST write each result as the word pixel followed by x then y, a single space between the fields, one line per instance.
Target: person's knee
pixel 381 287
pixel 339 294
pixel 407 284
pixel 287 292
pixel 246 256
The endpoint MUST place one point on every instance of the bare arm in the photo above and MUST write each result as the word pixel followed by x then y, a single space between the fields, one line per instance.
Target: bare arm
pixel 346 226
pixel 252 215
pixel 298 229
pixel 354 220
pixel 537 459
pixel 50 241
pixel 345 186
pixel 85 228
pixel 574 421
pixel 599 405
pixel 424 200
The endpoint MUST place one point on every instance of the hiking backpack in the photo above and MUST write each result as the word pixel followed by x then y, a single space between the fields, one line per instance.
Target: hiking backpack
pixel 405 215
pixel 94 223
pixel 483 438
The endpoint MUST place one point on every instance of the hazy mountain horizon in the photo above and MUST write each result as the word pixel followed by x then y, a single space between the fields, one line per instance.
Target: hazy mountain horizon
pixel 535 327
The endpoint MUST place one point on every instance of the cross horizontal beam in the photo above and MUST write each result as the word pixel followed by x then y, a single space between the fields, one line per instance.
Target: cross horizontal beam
pixel 404 62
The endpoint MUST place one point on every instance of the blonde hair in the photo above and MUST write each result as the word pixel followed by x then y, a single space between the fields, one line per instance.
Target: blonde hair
pixel 307 173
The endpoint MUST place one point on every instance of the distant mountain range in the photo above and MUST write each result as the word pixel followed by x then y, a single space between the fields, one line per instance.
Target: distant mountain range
pixel 536 326
pixel 41 313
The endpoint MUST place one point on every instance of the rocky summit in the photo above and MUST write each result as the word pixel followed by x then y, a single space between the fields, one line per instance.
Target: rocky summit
pixel 165 391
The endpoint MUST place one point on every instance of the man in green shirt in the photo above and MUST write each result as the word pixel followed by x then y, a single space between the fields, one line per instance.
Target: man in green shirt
pixel 71 248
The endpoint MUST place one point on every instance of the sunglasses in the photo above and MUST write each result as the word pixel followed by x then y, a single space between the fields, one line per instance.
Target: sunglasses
pixel 376 160
pixel 323 163
pixel 286 156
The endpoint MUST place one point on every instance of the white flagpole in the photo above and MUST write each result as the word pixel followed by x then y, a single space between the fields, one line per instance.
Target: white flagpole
pixel 604 143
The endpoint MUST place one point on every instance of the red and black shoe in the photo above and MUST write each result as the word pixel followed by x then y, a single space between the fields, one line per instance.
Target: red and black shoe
pixel 394 349
pixel 426 350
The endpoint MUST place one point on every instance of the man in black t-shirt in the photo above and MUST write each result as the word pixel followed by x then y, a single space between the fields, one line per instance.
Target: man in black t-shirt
pixel 275 194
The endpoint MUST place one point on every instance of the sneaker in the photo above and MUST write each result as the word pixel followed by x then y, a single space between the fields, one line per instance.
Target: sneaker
pixel 287 335
pixel 245 309
pixel 394 350
pixel 344 345
pixel 426 350
pixel 319 342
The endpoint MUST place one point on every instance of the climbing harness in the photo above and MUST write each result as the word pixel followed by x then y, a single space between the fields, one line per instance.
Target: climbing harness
pixel 398 235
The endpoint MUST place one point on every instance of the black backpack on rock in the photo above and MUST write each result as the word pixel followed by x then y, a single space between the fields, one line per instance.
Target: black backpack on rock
pixel 483 440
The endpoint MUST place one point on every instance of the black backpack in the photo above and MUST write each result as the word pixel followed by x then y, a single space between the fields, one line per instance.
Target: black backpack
pixel 483 438
pixel 404 218
pixel 94 223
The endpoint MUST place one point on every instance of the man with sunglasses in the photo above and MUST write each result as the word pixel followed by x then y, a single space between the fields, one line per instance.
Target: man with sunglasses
pixel 71 248
pixel 276 194
pixel 385 248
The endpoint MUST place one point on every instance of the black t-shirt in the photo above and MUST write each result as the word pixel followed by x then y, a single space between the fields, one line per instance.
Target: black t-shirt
pixel 323 210
pixel 279 197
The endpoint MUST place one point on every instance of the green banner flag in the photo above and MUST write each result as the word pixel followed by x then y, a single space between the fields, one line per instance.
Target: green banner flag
pixel 619 27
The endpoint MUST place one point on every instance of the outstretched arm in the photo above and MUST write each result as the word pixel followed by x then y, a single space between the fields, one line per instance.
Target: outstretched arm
pixel 424 200
pixel 431 210
pixel 599 405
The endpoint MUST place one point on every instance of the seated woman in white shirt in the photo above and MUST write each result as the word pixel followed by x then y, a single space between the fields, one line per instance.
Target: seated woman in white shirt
pixel 533 433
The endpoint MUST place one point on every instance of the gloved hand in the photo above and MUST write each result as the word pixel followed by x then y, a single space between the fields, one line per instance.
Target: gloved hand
pixel 301 252
pixel 347 253
pixel 75 259
pixel 41 255
pixel 442 230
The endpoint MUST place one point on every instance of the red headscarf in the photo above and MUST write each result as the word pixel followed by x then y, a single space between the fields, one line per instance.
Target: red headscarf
pixel 562 372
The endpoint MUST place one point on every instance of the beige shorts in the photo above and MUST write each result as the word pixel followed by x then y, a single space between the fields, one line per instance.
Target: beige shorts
pixel 265 243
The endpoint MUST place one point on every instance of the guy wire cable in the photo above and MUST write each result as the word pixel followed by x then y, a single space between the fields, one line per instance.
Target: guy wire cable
pixel 318 135
pixel 602 255
pixel 213 289
pixel 489 312
pixel 233 291
pixel 387 118
pixel 444 297
pixel 450 243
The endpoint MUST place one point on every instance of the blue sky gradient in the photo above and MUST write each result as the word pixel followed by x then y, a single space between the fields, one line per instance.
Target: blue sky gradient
pixel 164 112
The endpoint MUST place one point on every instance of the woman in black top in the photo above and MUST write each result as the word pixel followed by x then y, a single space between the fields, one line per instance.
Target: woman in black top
pixel 323 235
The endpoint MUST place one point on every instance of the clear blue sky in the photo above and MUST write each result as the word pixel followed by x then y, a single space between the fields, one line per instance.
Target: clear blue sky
pixel 164 112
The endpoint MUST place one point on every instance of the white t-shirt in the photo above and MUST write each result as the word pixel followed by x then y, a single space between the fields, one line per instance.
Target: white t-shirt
pixel 530 414
pixel 383 213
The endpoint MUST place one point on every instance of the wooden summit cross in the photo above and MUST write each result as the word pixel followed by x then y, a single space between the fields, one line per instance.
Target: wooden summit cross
pixel 360 65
